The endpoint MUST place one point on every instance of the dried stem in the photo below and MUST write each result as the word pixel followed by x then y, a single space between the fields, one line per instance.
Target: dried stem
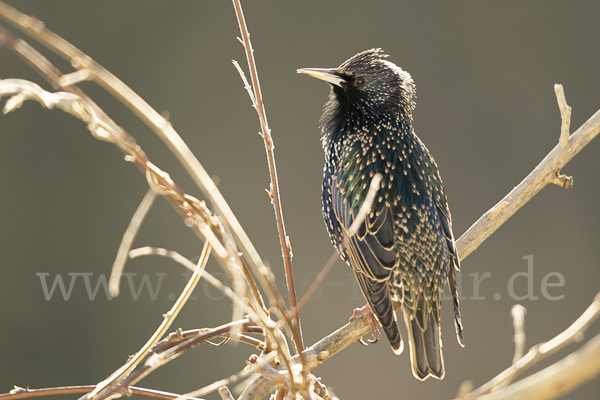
pixel 225 393
pixel 565 114
pixel 274 189
pixel 23 393
pixel 259 363
pixel 127 242
pixel 518 313
pixel 102 127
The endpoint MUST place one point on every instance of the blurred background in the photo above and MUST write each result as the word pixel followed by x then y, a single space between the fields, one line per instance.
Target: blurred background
pixel 486 109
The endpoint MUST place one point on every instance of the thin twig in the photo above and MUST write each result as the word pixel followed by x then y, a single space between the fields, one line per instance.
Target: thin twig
pixel 565 114
pixel 261 362
pixel 313 287
pixel 366 206
pixel 155 360
pixel 179 336
pixel 518 313
pixel 23 393
pixel 275 334
pixel 225 393
pixel 173 255
pixel 127 242
pixel 274 189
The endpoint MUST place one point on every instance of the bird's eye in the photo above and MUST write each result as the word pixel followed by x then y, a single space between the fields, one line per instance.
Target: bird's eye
pixel 359 81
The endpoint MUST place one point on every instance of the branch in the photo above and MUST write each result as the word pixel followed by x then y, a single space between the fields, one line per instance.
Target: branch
pixel 541 351
pixel 37 30
pixel 556 380
pixel 257 101
pixel 195 213
pixel 23 393
pixel 546 172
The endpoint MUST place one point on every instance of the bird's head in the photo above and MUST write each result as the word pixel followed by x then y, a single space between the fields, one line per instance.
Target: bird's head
pixel 368 83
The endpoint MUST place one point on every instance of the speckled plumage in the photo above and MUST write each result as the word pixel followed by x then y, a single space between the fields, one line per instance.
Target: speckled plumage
pixel 404 250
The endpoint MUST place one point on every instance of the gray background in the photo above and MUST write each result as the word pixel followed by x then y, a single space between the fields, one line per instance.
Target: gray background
pixel 486 109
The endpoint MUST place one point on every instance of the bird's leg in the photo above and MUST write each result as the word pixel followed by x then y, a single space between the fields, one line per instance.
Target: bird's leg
pixel 365 312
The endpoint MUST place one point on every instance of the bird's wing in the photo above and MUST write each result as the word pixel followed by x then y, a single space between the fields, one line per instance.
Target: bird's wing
pixel 446 221
pixel 371 249
pixel 447 226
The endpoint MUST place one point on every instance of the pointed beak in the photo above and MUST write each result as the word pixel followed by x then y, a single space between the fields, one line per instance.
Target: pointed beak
pixel 324 74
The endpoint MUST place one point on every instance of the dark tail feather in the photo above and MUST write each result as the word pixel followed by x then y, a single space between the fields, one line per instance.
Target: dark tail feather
pixel 457 319
pixel 380 300
pixel 425 348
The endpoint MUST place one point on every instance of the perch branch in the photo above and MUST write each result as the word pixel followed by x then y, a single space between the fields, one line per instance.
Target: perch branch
pixel 284 240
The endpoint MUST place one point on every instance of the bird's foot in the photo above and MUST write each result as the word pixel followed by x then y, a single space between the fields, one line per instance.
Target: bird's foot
pixel 365 312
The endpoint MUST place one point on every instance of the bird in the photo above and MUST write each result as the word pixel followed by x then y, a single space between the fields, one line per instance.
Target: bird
pixel 403 251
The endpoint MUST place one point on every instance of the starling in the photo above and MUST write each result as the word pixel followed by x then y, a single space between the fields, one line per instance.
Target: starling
pixel 403 251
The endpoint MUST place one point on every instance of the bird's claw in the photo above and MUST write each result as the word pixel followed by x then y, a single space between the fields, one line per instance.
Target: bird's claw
pixel 365 312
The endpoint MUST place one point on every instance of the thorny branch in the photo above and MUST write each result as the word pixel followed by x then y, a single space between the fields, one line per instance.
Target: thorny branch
pixel 256 96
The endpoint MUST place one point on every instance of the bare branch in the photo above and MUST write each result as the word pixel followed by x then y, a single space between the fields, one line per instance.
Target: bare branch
pixel 565 114
pixel 543 174
pixel 314 286
pixel 541 351
pixel 257 365
pixel 257 101
pixel 556 380
pixel 518 313
pixel 225 393
pixel 23 393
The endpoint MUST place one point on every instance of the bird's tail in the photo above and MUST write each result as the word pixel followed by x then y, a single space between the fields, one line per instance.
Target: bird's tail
pixel 425 341
pixel 380 300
